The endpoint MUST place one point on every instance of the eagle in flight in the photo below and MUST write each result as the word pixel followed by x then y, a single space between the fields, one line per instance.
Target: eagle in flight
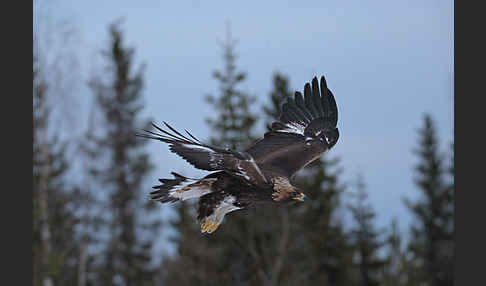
pixel 304 131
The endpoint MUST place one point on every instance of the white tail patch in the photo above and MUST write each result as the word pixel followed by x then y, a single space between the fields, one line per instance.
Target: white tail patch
pixel 190 189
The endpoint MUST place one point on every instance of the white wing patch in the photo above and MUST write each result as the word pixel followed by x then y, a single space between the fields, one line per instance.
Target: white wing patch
pixel 190 189
pixel 293 127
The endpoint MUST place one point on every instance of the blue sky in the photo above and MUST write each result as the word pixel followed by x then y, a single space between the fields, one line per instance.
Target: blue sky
pixel 387 63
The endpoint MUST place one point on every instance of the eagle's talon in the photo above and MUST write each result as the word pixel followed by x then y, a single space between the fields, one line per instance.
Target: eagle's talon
pixel 211 228
pixel 208 226
pixel 205 226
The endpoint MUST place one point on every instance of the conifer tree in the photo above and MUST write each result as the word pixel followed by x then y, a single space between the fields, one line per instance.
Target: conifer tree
pixel 319 248
pixel 270 237
pixel 120 169
pixel 450 194
pixel 432 233
pixel 308 223
pixel 447 246
pixel 395 270
pixel 54 222
pixel 233 127
pixel 326 254
pixel 240 235
pixel 200 254
pixel 365 238
pixel 267 245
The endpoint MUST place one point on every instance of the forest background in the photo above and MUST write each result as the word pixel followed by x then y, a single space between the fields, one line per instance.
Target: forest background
pixel 381 207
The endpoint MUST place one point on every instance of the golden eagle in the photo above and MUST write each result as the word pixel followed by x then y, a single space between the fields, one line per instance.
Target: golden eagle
pixel 304 131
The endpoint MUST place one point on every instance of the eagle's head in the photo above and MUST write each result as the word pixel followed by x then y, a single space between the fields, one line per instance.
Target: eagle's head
pixel 284 192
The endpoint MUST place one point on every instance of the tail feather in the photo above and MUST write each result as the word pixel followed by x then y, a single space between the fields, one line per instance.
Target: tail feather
pixel 181 188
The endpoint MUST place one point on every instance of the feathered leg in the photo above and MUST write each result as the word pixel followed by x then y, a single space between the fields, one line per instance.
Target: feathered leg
pixel 212 209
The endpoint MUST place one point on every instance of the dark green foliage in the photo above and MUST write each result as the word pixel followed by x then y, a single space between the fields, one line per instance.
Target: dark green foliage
pixel 366 240
pixel 127 255
pixel 432 244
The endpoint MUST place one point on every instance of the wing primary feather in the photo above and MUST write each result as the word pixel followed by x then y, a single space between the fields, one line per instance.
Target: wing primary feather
pixel 167 133
pixel 299 101
pixel 158 137
pixel 333 108
pixel 290 113
pixel 317 97
pixel 326 100
pixel 308 100
pixel 192 136
pixel 295 108
pixel 146 136
pixel 175 131
pixel 153 133
pixel 169 138
pixel 284 117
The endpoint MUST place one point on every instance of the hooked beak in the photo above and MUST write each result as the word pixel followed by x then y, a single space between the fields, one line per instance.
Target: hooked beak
pixel 300 197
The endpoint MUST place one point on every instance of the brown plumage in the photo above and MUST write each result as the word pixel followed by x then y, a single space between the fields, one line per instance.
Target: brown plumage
pixel 241 179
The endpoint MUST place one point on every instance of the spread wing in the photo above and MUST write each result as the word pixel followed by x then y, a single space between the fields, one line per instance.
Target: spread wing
pixel 209 158
pixel 305 130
